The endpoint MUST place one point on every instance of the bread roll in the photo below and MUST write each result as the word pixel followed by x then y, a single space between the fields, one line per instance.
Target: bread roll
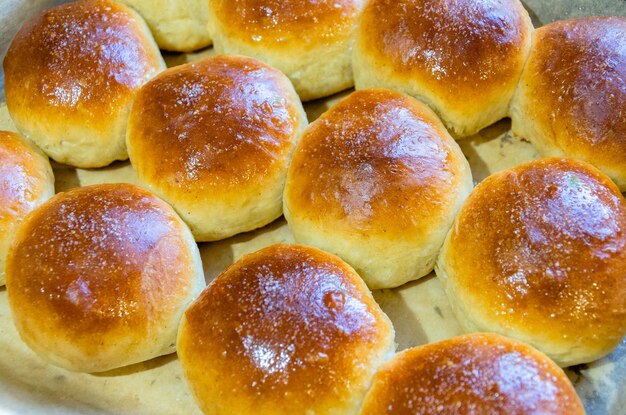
pixel 214 139
pixel 571 99
pixel 177 25
pixel 461 57
pixel 98 277
pixel 377 180
pixel 26 181
pixel 71 74
pixel 286 330
pixel 538 253
pixel 472 374
pixel 310 41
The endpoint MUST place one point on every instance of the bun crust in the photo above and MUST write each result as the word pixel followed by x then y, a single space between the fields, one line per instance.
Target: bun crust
pixel 284 24
pixel 288 329
pixel 462 57
pixel 214 138
pixel 472 374
pixel 26 181
pixel 98 277
pixel 377 180
pixel 538 253
pixel 572 96
pixel 71 75
pixel 310 41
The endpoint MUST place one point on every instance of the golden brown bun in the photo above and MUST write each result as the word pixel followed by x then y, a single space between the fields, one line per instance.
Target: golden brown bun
pixel 286 330
pixel 310 41
pixel 472 374
pixel 462 57
pixel 214 139
pixel 571 99
pixel 71 74
pixel 538 253
pixel 26 181
pixel 377 180
pixel 98 277
pixel 178 25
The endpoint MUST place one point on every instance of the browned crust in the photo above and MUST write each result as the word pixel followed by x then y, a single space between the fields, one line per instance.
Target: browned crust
pixel 96 266
pixel 285 328
pixel 379 162
pixel 285 24
pixel 574 90
pixel 461 51
pixel 541 250
pixel 218 126
pixel 80 61
pixel 472 374
pixel 25 175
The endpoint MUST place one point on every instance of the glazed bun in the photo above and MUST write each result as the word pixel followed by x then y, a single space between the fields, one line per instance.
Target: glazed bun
pixel 286 330
pixel 26 181
pixel 472 374
pixel 310 41
pixel 71 74
pixel 461 57
pixel 179 25
pixel 377 180
pixel 538 253
pixel 98 277
pixel 571 99
pixel 214 139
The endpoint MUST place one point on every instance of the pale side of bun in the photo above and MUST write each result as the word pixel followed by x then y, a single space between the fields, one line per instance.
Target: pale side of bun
pixel 71 74
pixel 463 57
pixel 177 25
pixel 377 180
pixel 214 138
pixel 571 100
pixel 538 253
pixel 26 181
pixel 310 41
pixel 98 277
pixel 472 374
pixel 286 330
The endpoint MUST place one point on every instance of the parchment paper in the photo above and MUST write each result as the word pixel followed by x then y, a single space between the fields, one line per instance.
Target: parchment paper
pixel 419 311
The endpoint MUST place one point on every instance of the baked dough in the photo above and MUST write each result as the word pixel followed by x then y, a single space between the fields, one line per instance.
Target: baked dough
pixel 71 74
pixel 98 277
pixel 377 180
pixel 538 253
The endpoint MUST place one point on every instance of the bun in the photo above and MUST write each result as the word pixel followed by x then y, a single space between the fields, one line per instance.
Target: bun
pixel 310 41
pixel 377 180
pixel 571 99
pixel 288 329
pixel 214 139
pixel 98 277
pixel 472 374
pixel 178 25
pixel 71 75
pixel 26 181
pixel 538 253
pixel 463 57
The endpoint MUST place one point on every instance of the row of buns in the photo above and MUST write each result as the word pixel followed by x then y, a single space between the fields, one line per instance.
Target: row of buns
pixel 376 180
pixel 109 275
pixel 293 330
pixel 379 182
pixel 100 277
pixel 473 62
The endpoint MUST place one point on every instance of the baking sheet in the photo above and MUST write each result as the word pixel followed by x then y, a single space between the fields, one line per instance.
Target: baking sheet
pixel 419 310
